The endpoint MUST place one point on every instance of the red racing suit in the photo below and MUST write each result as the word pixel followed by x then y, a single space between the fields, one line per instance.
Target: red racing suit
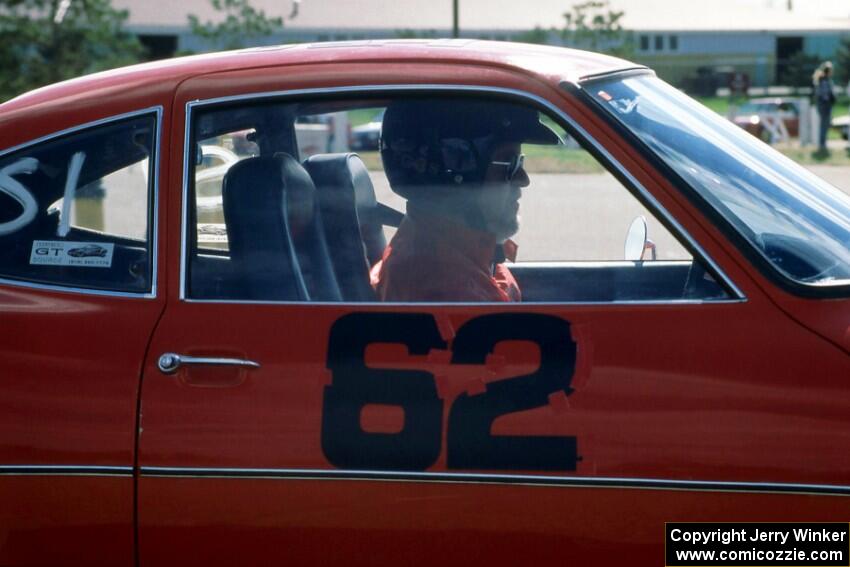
pixel 434 258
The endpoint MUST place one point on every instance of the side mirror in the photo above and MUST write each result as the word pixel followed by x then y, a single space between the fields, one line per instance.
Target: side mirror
pixel 637 242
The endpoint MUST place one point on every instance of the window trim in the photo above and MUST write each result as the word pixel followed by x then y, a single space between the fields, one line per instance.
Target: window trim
pixel 608 161
pixel 153 200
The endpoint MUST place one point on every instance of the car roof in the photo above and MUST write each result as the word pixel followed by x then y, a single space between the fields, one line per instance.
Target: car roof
pixel 545 61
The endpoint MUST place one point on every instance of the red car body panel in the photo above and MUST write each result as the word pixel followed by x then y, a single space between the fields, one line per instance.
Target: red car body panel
pixel 395 523
pixel 682 412
pixel 71 368
pixel 66 520
pixel 662 398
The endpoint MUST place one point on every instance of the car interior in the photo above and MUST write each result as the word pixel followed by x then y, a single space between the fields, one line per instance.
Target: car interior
pixel 309 227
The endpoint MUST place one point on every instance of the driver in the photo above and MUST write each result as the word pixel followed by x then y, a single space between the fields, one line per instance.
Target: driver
pixel 458 162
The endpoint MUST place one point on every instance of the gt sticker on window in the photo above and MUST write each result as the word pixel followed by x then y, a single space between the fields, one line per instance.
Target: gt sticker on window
pixel 65 253
pixel 470 443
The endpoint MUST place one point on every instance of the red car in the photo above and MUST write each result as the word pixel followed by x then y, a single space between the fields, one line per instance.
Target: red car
pixel 229 386
pixel 761 117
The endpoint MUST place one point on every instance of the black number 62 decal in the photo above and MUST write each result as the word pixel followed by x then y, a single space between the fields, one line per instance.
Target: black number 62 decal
pixel 470 444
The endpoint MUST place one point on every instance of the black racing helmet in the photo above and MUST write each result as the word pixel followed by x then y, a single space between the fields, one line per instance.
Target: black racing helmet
pixel 448 141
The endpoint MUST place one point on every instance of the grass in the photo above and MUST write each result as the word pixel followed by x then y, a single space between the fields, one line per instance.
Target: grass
pixel 372 160
pixel 721 105
pixel 554 159
pixel 361 116
pixel 718 104
pixel 538 159
pixel 810 156
pixel 548 159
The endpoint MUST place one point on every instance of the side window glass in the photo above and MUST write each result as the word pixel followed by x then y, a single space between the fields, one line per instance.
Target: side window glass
pixel 214 156
pixel 574 210
pixel 76 211
pixel 443 199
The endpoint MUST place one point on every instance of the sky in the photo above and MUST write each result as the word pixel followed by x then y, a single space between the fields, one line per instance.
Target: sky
pixel 514 14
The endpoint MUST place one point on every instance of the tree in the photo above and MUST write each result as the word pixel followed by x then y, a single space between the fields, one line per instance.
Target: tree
pixel 537 35
pixel 37 48
pixel 242 23
pixel 594 25
pixel 408 33
pixel 798 70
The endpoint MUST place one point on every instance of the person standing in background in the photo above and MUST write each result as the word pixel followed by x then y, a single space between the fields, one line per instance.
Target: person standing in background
pixel 824 99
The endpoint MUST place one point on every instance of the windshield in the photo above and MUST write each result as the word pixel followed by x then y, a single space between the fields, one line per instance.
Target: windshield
pixel 795 220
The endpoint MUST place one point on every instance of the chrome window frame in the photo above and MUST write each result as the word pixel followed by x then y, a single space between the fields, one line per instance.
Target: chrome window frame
pixel 608 161
pixel 156 111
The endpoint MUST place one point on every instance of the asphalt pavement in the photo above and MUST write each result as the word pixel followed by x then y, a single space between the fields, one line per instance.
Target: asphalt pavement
pixel 585 217
pixel 563 216
pixel 837 175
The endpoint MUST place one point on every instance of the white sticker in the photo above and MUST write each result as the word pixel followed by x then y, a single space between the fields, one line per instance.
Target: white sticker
pixel 64 253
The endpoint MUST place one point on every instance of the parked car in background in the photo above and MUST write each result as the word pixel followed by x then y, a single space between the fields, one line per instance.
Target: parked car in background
pixel 761 117
pixel 224 387
pixel 367 137
pixel 215 162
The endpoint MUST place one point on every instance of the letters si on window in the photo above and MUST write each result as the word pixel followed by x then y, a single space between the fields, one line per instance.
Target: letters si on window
pixel 76 210
pixel 415 198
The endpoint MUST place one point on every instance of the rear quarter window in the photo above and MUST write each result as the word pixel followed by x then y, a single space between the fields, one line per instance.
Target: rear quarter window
pixel 76 209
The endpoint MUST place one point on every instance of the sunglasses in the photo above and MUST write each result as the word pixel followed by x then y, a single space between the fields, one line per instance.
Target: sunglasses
pixel 511 167
pixel 462 156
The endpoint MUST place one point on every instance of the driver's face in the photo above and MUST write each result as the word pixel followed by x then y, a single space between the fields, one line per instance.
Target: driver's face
pixel 499 199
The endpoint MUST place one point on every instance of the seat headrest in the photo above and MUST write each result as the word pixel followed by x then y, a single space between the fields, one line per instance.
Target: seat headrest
pixel 343 173
pixel 265 199
pixel 342 178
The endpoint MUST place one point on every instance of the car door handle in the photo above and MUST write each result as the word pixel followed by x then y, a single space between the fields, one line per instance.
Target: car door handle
pixel 170 362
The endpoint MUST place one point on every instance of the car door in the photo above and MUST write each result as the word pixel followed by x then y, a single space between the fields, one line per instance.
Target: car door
pixel 78 303
pixel 282 422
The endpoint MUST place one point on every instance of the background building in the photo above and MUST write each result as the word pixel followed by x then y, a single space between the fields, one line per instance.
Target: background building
pixel 685 42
